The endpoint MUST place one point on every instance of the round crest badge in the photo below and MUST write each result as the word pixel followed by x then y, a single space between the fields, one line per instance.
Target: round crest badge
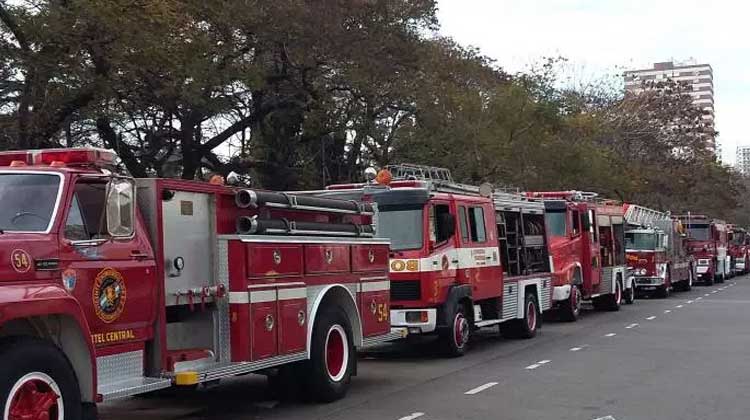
pixel 109 295
pixel 20 260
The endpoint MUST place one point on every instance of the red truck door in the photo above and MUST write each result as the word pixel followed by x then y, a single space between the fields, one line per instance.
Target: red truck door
pixel 444 254
pixel 485 274
pixel 113 278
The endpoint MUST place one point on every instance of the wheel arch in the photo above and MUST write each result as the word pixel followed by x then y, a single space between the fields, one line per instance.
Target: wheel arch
pixel 341 296
pixel 65 331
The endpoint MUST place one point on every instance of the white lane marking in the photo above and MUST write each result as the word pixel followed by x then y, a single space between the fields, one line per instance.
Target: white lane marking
pixel 544 362
pixel 699 297
pixel 610 335
pixel 714 291
pixel 605 418
pixel 706 295
pixel 633 325
pixel 576 348
pixel 666 311
pixel 651 318
pixel 534 366
pixel 678 306
pixel 480 388
pixel 412 416
pixel 690 301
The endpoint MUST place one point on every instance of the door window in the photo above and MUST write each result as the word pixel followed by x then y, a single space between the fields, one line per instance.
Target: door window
pixel 439 231
pixel 476 219
pixel 464 225
pixel 576 222
pixel 86 214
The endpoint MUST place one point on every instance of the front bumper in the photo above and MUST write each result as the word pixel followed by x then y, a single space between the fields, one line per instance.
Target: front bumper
pixel 398 320
pixel 648 283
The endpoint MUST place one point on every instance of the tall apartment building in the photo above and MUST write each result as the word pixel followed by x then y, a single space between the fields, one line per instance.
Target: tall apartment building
pixel 698 78
pixel 742 163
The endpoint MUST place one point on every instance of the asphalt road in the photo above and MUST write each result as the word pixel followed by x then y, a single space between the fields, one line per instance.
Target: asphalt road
pixel 685 357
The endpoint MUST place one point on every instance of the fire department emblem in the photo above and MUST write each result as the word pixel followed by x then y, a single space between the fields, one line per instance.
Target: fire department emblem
pixel 109 295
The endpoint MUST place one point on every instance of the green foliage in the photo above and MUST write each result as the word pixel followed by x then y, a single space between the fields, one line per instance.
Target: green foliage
pixel 302 93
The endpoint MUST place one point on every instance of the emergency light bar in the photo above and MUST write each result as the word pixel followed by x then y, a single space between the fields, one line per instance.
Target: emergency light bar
pixel 100 158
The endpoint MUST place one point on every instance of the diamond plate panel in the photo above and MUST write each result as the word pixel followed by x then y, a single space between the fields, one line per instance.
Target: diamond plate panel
pixel 510 301
pixel 221 321
pixel 119 367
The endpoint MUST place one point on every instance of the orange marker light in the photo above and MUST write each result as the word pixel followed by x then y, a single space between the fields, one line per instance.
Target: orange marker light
pixel 384 177
pixel 412 265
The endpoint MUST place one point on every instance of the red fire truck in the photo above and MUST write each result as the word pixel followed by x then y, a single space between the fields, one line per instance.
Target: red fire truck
pixel 707 242
pixel 588 252
pixel 462 257
pixel 656 251
pixel 739 249
pixel 111 287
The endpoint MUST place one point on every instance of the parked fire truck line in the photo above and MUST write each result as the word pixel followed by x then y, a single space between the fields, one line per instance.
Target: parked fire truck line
pixel 708 243
pixel 657 251
pixel 587 247
pixel 115 287
pixel 462 258
pixel 739 249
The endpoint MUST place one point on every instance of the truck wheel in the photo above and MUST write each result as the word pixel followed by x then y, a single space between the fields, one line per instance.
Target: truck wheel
pixel 526 327
pixel 332 357
pixel 629 296
pixel 610 302
pixel 663 292
pixel 37 381
pixel 571 308
pixel 455 339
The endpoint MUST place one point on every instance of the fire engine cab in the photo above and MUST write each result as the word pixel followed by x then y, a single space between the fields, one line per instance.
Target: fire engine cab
pixel 707 242
pixel 462 257
pixel 588 252
pixel 111 286
pixel 739 249
pixel 656 251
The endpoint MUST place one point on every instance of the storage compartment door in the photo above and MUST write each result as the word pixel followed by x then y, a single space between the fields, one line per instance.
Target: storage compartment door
pixel 264 324
pixel 292 306
pixel 374 306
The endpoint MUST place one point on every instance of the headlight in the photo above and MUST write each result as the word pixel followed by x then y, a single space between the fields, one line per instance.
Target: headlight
pixel 642 272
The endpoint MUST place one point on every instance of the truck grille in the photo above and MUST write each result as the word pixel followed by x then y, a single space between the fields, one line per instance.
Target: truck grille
pixel 405 290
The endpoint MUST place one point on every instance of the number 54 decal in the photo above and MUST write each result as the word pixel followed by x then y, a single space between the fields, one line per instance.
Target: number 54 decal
pixel 383 313
pixel 20 260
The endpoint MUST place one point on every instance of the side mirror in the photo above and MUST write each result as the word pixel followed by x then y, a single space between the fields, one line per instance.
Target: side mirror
pixel 120 208
pixel 586 223
pixel 446 225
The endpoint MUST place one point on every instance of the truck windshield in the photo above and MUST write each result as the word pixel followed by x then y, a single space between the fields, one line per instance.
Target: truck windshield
pixel 699 232
pixel 27 201
pixel 555 222
pixel 641 241
pixel 402 224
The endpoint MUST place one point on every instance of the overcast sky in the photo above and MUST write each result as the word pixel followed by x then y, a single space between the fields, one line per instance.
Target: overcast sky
pixel 604 37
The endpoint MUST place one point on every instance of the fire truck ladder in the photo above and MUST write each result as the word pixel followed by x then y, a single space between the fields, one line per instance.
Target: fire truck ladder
pixel 643 216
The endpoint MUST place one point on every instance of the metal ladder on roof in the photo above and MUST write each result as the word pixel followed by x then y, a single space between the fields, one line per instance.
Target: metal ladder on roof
pixel 644 216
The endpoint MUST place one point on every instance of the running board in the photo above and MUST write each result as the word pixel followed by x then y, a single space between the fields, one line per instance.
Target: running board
pixel 132 386
pixel 490 322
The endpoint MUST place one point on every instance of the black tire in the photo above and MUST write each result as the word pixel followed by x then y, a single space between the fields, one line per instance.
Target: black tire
pixel 709 280
pixel 529 325
pixel 570 310
pixel 688 285
pixel 324 383
pixel 662 292
pixel 455 339
pixel 629 295
pixel 610 302
pixel 33 362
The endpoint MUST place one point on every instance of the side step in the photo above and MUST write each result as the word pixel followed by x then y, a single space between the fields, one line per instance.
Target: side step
pixel 132 386
pixel 489 322
pixel 121 375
